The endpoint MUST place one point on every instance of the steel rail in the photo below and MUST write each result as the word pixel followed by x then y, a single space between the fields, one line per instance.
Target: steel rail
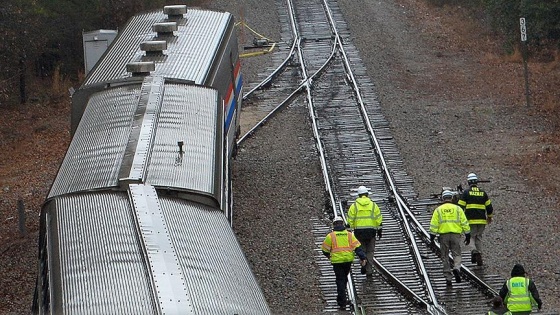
pixel 273 112
pixel 388 177
pixel 489 291
pixel 403 288
pixel 409 220
pixel 307 85
pixel 402 205
pixel 274 73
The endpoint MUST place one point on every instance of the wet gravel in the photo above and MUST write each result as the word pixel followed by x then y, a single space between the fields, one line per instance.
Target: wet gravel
pixel 449 116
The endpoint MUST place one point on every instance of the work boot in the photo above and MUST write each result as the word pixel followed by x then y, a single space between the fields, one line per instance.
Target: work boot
pixel 473 259
pixel 457 275
pixel 363 270
pixel 478 258
pixel 448 283
pixel 343 305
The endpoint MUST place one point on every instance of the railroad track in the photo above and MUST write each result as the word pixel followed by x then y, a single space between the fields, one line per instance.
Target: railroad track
pixel 355 147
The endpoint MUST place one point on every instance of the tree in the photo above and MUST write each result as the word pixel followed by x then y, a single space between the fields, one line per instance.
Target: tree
pixel 542 18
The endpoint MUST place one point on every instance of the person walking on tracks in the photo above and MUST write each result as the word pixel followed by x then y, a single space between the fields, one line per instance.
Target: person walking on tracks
pixel 520 293
pixel 478 209
pixel 339 246
pixel 498 307
pixel 365 219
pixel 449 221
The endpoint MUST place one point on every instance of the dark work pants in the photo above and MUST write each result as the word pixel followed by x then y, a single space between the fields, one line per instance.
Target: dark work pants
pixel 341 271
pixel 367 239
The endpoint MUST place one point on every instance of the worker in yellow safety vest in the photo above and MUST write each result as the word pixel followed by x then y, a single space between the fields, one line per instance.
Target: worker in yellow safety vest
pixel 339 246
pixel 365 219
pixel 520 293
pixel 449 221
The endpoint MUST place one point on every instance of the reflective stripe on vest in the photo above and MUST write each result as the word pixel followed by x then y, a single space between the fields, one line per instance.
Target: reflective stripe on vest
pixel 342 248
pixel 519 297
pixel 371 216
pixel 336 248
pixel 451 223
pixel 475 202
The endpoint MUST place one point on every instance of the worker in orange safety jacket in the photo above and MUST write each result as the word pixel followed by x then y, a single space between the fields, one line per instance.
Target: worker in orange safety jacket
pixel 339 246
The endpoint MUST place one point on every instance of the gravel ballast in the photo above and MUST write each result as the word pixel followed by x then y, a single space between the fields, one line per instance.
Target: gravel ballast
pixel 450 116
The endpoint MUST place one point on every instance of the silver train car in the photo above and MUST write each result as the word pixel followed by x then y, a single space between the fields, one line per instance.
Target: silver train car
pixel 138 218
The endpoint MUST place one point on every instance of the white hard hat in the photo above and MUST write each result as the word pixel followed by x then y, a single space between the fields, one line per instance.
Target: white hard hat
pixel 447 194
pixel 472 177
pixel 337 219
pixel 362 190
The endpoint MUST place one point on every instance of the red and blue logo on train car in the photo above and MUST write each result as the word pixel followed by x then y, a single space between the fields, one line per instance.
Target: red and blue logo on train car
pixel 230 100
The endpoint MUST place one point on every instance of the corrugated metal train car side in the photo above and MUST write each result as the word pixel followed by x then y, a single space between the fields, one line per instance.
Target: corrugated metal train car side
pixel 138 218
pixel 199 46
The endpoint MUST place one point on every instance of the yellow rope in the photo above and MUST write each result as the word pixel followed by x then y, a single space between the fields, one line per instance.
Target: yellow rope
pixel 258 53
pixel 254 32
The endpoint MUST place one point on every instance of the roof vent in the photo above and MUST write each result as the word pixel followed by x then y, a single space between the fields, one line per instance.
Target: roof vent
pixel 141 68
pixel 175 11
pixel 164 28
pixel 153 47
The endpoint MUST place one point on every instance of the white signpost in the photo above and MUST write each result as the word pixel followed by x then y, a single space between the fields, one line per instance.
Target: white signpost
pixel 523 29
pixel 524 53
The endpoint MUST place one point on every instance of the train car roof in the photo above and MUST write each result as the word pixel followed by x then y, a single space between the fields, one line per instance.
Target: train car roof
pixel 105 244
pixel 189 53
pixel 132 132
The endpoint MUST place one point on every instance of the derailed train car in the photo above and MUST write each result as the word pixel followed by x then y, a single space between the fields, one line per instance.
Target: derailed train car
pixel 138 219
